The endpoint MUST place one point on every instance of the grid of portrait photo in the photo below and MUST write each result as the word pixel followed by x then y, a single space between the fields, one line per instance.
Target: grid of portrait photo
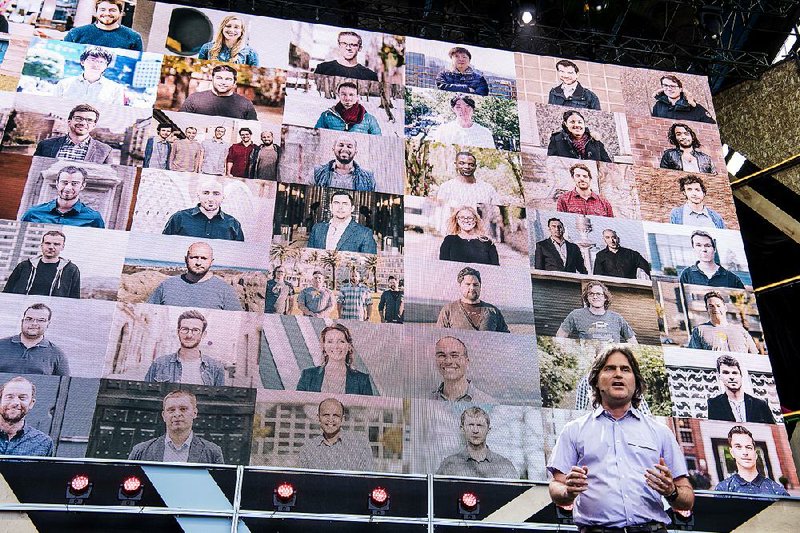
pixel 227 238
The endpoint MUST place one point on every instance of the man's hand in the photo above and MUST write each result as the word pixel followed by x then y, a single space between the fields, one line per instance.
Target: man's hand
pixel 659 478
pixel 564 488
pixel 576 481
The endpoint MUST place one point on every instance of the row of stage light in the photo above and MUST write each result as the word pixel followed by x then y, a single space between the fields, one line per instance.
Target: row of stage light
pixel 284 496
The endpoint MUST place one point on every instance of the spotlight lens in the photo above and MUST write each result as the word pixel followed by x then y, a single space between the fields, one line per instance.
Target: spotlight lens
pixel 79 483
pixel 131 484
pixel 379 495
pixel 527 17
pixel 469 500
pixel 285 491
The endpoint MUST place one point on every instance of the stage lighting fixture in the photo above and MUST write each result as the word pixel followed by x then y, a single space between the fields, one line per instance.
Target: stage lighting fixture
pixel 130 491
pixel 379 500
pixel 469 506
pixel 284 497
pixel 595 5
pixel 527 14
pixel 711 20
pixel 79 488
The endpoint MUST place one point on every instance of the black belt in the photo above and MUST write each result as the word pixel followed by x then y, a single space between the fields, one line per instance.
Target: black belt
pixel 649 527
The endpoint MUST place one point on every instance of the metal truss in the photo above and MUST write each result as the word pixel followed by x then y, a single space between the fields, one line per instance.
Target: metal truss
pixel 776 8
pixel 717 60
pixel 639 52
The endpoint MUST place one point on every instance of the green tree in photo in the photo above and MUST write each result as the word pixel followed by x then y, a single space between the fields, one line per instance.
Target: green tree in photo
pixel 558 371
pixel 654 374
pixel 44 64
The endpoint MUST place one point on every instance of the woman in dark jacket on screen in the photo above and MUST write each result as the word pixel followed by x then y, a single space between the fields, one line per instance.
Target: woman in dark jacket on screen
pixel 336 373
pixel 467 241
pixel 575 141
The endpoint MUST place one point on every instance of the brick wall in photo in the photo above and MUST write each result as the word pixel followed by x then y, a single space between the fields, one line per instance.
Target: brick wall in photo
pixel 659 192
pixel 536 75
pixel 649 140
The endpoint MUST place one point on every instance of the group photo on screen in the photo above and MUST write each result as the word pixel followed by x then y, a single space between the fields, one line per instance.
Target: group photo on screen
pixel 333 284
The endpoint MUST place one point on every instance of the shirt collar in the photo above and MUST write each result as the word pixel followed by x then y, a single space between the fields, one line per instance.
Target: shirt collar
pixel 321 440
pixel 186 444
pixel 70 142
pixel 576 195
pixel 173 358
pixel 44 343
pixel 467 396
pixel 688 211
pixel 52 206
pixel 197 211
pixel 490 455
pixel 563 242
pixel 599 410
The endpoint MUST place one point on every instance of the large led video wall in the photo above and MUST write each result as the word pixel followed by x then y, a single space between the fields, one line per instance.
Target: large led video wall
pixel 418 246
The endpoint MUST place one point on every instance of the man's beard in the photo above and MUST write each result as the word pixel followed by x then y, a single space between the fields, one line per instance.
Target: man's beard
pixel 13 420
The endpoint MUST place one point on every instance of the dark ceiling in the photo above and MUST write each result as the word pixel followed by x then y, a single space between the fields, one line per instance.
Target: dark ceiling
pixel 665 34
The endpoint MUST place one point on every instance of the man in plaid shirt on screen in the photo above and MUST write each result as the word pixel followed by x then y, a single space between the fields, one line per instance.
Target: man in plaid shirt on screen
pixel 355 299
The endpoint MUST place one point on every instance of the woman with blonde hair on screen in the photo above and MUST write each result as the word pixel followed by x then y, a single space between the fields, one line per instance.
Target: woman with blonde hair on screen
pixel 230 43
pixel 467 241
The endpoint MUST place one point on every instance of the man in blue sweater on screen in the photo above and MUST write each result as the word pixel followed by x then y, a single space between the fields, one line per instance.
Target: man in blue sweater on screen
pixel 107 30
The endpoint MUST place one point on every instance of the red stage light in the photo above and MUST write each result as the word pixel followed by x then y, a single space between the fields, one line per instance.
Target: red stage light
pixel 285 491
pixel 131 485
pixel 79 484
pixel 379 496
pixel 284 497
pixel 469 501
pixel 379 500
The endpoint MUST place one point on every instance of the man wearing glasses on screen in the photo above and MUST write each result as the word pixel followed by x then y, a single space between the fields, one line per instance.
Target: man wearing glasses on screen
pixel 77 145
pixel 452 361
pixel 188 364
pixel 347 65
pixel 672 101
pixel 29 352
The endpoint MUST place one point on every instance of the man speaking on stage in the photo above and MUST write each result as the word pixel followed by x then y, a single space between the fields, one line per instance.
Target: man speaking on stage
pixel 615 464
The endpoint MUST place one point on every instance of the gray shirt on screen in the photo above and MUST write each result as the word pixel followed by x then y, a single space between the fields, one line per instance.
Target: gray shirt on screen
pixel 211 294
pixel 608 327
pixel 42 358
pixel 214 154
pixel 349 452
pixel 494 465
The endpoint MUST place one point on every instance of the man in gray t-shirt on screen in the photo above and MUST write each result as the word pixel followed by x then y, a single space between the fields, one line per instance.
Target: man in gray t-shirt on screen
pixel 198 287
pixel 595 321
